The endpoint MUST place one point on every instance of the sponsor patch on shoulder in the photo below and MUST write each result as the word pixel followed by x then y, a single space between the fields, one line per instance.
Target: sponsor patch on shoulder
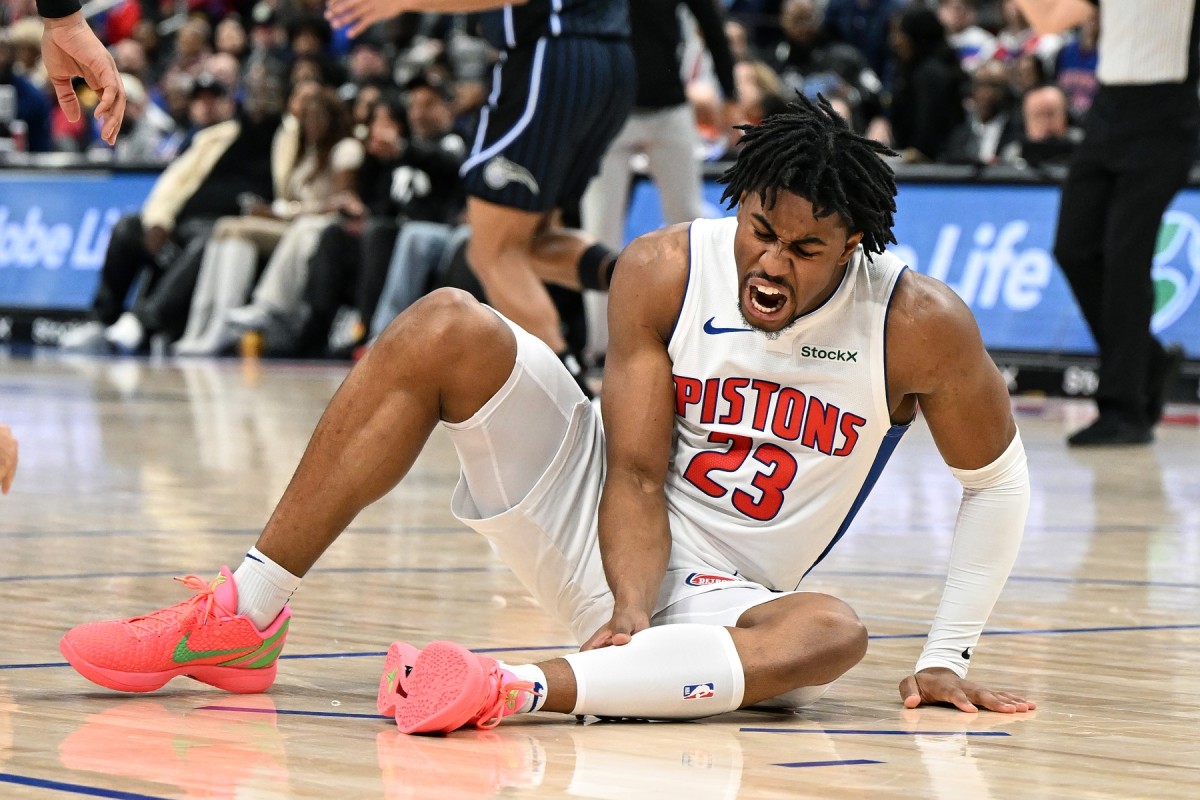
pixel 705 579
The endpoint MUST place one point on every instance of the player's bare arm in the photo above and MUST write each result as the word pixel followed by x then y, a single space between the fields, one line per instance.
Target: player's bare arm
pixel 639 407
pixel 936 359
pixel 1056 16
pixel 362 14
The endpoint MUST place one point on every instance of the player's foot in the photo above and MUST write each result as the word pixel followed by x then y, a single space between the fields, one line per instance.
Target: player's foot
pixel 202 638
pixel 450 688
pixel 401 657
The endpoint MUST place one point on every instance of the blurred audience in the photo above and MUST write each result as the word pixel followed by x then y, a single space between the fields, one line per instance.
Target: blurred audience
pixel 951 81
pixel 867 25
pixel 408 175
pixel 991 124
pixel 973 44
pixel 809 63
pixel 162 245
pixel 1075 69
pixel 1048 136
pixel 323 166
pixel 928 87
pixel 25 114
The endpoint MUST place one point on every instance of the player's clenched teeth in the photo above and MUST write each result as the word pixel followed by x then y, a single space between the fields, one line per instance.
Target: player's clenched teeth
pixel 766 299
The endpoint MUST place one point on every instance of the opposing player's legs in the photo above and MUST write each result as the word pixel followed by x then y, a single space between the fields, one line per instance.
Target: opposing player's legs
pixel 683 670
pixel 511 262
pixel 441 360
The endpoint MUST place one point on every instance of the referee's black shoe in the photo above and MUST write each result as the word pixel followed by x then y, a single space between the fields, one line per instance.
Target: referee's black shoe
pixel 1109 430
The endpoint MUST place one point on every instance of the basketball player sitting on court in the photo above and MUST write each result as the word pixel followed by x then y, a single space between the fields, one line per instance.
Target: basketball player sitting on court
pixel 734 452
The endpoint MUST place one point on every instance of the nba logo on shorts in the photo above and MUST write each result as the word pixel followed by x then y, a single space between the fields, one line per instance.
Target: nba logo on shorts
pixel 698 691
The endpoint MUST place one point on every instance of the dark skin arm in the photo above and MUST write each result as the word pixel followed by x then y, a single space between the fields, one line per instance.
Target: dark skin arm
pixel 936 359
pixel 639 410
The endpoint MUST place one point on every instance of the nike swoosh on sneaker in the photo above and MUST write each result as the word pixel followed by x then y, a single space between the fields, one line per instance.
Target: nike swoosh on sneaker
pixel 184 654
pixel 713 329
pixel 391 676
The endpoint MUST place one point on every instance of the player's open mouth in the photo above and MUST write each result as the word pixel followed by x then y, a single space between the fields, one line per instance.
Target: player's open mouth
pixel 765 299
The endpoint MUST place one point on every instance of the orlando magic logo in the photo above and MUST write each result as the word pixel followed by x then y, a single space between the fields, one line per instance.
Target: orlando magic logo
pixel 500 172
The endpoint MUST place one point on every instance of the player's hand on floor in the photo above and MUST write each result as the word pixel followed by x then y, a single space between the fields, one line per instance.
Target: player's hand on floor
pixel 940 685
pixel 618 630
pixel 358 15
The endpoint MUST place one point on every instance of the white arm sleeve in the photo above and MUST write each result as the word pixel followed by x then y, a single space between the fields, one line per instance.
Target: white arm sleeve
pixel 991 520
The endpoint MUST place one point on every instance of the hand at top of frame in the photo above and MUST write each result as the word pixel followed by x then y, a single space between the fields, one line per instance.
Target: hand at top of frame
pixel 940 685
pixel 359 15
pixel 70 48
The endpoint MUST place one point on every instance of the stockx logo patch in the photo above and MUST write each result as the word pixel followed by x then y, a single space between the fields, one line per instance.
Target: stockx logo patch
pixel 828 353
pixel 1176 268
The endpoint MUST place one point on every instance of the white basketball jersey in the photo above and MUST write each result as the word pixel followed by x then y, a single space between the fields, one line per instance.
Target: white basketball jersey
pixel 777 440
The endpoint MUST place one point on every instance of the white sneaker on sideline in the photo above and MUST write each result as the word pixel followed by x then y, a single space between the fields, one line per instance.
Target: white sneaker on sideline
pixel 126 334
pixel 249 318
pixel 85 338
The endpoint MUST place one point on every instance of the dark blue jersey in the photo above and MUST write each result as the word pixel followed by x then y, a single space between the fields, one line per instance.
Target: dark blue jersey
pixel 515 26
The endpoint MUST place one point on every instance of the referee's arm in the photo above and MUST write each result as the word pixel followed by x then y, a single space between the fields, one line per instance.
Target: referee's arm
pixel 69 49
pixel 1056 16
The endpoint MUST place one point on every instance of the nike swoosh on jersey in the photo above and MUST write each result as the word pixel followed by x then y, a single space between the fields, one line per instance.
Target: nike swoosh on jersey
pixel 713 329
pixel 184 654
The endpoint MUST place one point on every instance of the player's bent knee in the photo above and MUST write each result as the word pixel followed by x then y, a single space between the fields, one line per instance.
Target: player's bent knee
pixel 847 637
pixel 444 318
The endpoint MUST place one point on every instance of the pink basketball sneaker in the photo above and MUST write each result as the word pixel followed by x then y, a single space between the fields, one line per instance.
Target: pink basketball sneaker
pixel 401 657
pixel 450 688
pixel 203 638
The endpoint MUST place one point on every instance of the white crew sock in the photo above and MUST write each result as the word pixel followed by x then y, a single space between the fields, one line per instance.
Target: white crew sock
pixel 532 673
pixel 263 588
pixel 682 671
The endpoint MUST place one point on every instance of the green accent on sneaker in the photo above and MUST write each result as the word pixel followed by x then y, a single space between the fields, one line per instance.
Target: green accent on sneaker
pixel 262 648
pixel 391 676
pixel 269 658
pixel 511 702
pixel 184 654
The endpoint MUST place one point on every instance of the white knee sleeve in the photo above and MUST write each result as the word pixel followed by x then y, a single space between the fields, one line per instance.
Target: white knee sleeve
pixel 680 671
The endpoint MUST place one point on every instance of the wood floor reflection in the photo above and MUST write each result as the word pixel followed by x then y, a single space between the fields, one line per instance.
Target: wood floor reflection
pixel 133 472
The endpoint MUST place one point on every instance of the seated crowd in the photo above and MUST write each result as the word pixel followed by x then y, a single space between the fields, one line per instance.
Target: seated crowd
pixel 311 191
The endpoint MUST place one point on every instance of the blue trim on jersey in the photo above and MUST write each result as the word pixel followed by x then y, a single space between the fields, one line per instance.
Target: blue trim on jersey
pixel 687 284
pixel 886 312
pixel 510 31
pixel 535 84
pixel 886 448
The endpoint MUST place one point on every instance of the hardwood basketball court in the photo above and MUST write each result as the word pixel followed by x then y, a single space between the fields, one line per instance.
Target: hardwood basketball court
pixel 134 471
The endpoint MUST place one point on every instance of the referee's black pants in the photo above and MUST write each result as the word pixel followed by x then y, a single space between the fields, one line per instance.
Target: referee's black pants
pixel 1118 187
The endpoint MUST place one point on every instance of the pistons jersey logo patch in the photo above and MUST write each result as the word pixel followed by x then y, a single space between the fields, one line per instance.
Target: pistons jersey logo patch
pixel 705 579
pixel 699 691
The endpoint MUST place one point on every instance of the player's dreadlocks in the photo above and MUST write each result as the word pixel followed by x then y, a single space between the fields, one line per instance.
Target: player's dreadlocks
pixel 811 151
